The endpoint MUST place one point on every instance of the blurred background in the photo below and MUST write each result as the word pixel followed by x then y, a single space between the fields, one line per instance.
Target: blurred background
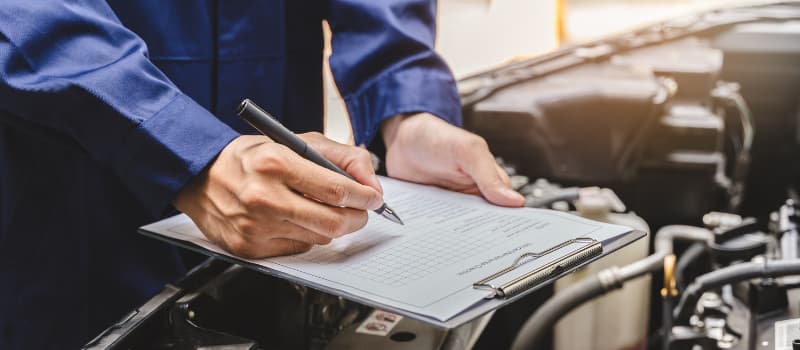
pixel 476 35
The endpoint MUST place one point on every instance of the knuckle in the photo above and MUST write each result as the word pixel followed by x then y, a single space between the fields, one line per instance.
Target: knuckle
pixel 298 247
pixel 247 226
pixel 338 194
pixel 238 246
pixel 363 155
pixel 269 161
pixel 334 226
pixel 477 142
pixel 254 199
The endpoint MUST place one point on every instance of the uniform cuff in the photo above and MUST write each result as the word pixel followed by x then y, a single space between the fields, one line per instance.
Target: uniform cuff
pixel 415 89
pixel 166 150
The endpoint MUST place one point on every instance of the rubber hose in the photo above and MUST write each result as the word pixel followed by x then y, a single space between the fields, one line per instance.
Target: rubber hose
pixel 688 258
pixel 568 299
pixel 729 275
pixel 537 325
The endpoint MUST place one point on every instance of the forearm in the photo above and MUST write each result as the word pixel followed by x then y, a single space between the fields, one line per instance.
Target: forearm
pixel 74 69
pixel 385 64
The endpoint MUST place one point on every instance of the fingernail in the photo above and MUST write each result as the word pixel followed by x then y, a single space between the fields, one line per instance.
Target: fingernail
pixel 376 202
pixel 511 194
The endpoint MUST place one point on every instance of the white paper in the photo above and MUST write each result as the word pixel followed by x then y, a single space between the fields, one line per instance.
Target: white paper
pixel 449 241
pixel 786 331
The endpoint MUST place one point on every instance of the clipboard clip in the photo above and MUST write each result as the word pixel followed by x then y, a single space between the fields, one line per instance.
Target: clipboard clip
pixel 590 249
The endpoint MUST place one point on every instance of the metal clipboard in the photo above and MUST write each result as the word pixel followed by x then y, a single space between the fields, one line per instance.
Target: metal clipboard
pixel 543 277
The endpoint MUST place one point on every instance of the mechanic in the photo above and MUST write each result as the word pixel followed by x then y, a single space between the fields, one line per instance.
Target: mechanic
pixel 100 134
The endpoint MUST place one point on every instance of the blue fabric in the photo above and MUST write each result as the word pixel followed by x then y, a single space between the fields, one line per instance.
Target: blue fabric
pixel 99 131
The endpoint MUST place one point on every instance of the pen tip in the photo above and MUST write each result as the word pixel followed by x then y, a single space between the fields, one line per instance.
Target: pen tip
pixel 391 215
pixel 394 218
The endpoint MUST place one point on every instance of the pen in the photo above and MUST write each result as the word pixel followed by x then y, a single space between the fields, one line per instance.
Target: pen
pixel 267 125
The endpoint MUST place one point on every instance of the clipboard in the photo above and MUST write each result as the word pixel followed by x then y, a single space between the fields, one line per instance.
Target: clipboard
pixel 456 258
pixel 586 250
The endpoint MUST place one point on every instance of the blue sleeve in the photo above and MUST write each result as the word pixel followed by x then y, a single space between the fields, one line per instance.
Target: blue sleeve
pixel 69 66
pixel 384 62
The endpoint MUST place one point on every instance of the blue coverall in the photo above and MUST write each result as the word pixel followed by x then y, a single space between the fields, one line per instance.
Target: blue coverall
pixel 98 132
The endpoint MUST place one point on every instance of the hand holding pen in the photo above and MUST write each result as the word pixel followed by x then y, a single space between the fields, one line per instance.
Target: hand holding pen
pixel 267 125
pixel 253 199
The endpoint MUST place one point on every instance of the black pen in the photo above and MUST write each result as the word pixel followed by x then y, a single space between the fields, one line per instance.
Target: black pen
pixel 267 125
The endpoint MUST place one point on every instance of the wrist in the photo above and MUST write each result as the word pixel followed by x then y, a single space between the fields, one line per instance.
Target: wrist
pixel 408 124
pixel 390 127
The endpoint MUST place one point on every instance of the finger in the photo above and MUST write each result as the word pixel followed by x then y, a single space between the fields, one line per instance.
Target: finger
pixel 279 247
pixel 481 166
pixel 472 190
pixel 327 221
pixel 356 161
pixel 465 184
pixel 456 182
pixel 255 246
pixel 291 231
pixel 331 188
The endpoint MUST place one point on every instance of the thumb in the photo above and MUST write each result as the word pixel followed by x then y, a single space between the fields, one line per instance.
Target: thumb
pixel 491 180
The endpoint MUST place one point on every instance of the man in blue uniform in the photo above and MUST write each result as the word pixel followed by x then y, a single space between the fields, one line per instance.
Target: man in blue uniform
pixel 100 134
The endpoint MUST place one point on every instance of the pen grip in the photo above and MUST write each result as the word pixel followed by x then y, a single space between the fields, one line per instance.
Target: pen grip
pixel 269 126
